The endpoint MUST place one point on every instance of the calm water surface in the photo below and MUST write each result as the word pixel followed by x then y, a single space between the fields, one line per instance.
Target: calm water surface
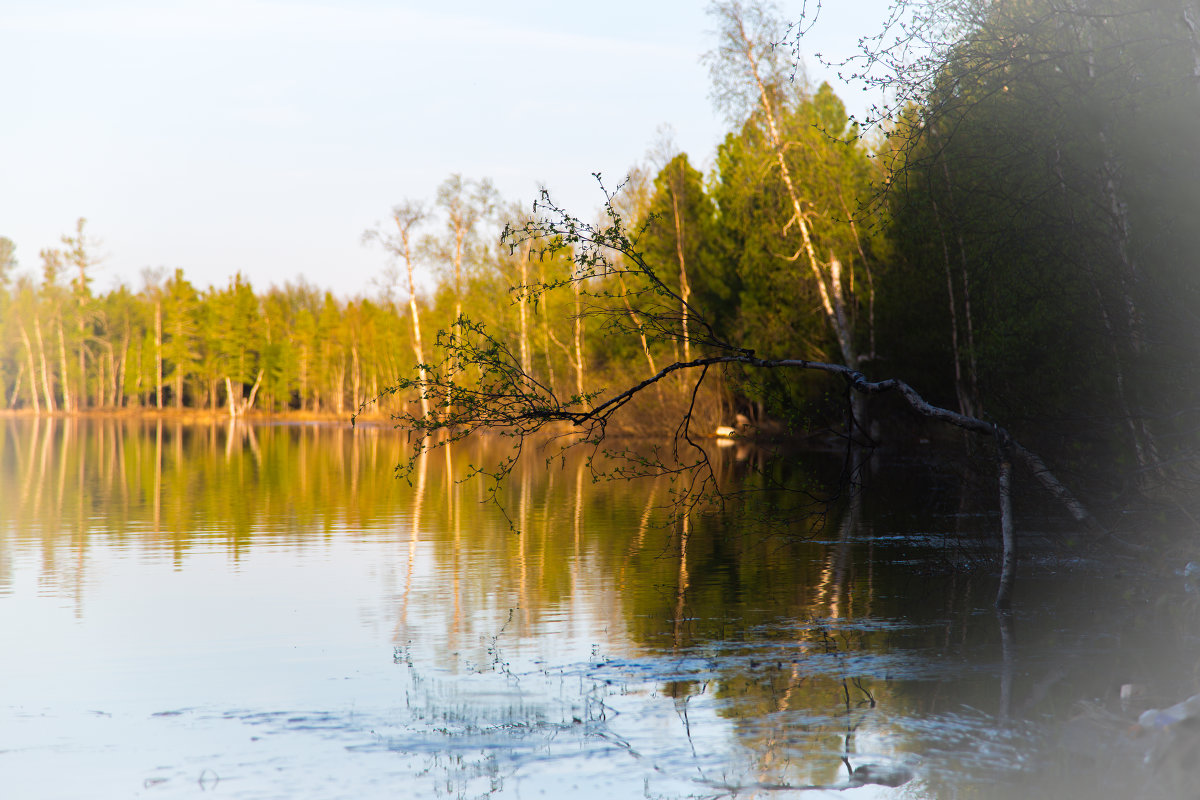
pixel 257 611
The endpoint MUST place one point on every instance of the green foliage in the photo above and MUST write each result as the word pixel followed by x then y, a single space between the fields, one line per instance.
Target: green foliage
pixel 1018 245
pixel 777 304
pixel 1046 174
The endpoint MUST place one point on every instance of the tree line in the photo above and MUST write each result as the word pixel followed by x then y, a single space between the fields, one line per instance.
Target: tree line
pixel 171 345
pixel 1011 236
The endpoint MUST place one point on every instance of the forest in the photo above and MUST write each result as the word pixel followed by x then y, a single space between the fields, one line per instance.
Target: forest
pixel 1015 237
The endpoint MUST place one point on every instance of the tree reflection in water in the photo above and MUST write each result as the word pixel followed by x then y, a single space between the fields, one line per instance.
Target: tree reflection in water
pixel 608 643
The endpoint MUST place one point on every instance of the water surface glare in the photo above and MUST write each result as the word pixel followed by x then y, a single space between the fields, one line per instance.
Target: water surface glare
pixel 262 611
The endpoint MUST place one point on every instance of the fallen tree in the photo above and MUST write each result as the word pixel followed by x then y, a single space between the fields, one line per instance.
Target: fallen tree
pixel 480 384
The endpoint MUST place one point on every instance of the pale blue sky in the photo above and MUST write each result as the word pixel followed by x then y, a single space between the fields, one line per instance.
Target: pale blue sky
pixel 265 136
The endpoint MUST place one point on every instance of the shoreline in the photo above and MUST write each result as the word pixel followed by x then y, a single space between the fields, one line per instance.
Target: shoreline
pixel 199 415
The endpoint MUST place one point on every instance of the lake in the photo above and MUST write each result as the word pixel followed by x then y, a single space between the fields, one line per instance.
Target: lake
pixel 266 611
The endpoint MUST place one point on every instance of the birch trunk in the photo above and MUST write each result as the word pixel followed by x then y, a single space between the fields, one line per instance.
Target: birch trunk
pixel 637 323
pixel 179 387
pixel 232 402
pixel 685 291
pixel 158 356
pixel 124 366
pixel 37 407
pixel 403 224
pixel 303 375
pixel 81 397
pixel 526 359
pixel 249 404
pixel 418 348
pixel 546 333
pixel 833 303
pixel 101 383
pixel 355 377
pixel 579 365
pixel 41 346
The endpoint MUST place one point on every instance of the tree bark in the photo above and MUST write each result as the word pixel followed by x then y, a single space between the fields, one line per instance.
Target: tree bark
pixel 37 408
pixel 158 356
pixel 231 402
pixel 49 395
pixel 833 302
pixel 124 365
pixel 637 323
pixel 579 365
pixel 526 356
pixel 685 290
pixel 253 391
pixel 81 398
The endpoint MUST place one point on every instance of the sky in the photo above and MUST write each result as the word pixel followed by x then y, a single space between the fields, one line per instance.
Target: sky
pixel 264 136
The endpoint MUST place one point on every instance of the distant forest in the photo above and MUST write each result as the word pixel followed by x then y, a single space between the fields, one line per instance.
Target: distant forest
pixel 1020 242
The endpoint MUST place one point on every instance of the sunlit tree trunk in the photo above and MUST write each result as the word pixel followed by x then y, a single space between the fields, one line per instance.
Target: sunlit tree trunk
pixel 465 203
pixel 121 400
pixel 637 324
pixel 579 365
pixel 418 347
pixel 685 290
pixel 77 254
pixel 232 402
pixel 81 397
pixel 546 333
pixel 526 361
pixel 33 391
pixel 303 376
pixel 101 382
pixel 355 376
pixel 179 387
pixel 254 390
pixel 340 389
pixel 49 394
pixel 158 356
pixel 574 353
pixel 829 286
pixel 407 216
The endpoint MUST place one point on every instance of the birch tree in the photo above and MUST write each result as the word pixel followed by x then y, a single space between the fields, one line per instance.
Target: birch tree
pixel 466 205
pixel 78 254
pixel 748 74
pixel 402 243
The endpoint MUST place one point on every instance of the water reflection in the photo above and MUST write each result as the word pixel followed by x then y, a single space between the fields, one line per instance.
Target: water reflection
pixel 382 630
